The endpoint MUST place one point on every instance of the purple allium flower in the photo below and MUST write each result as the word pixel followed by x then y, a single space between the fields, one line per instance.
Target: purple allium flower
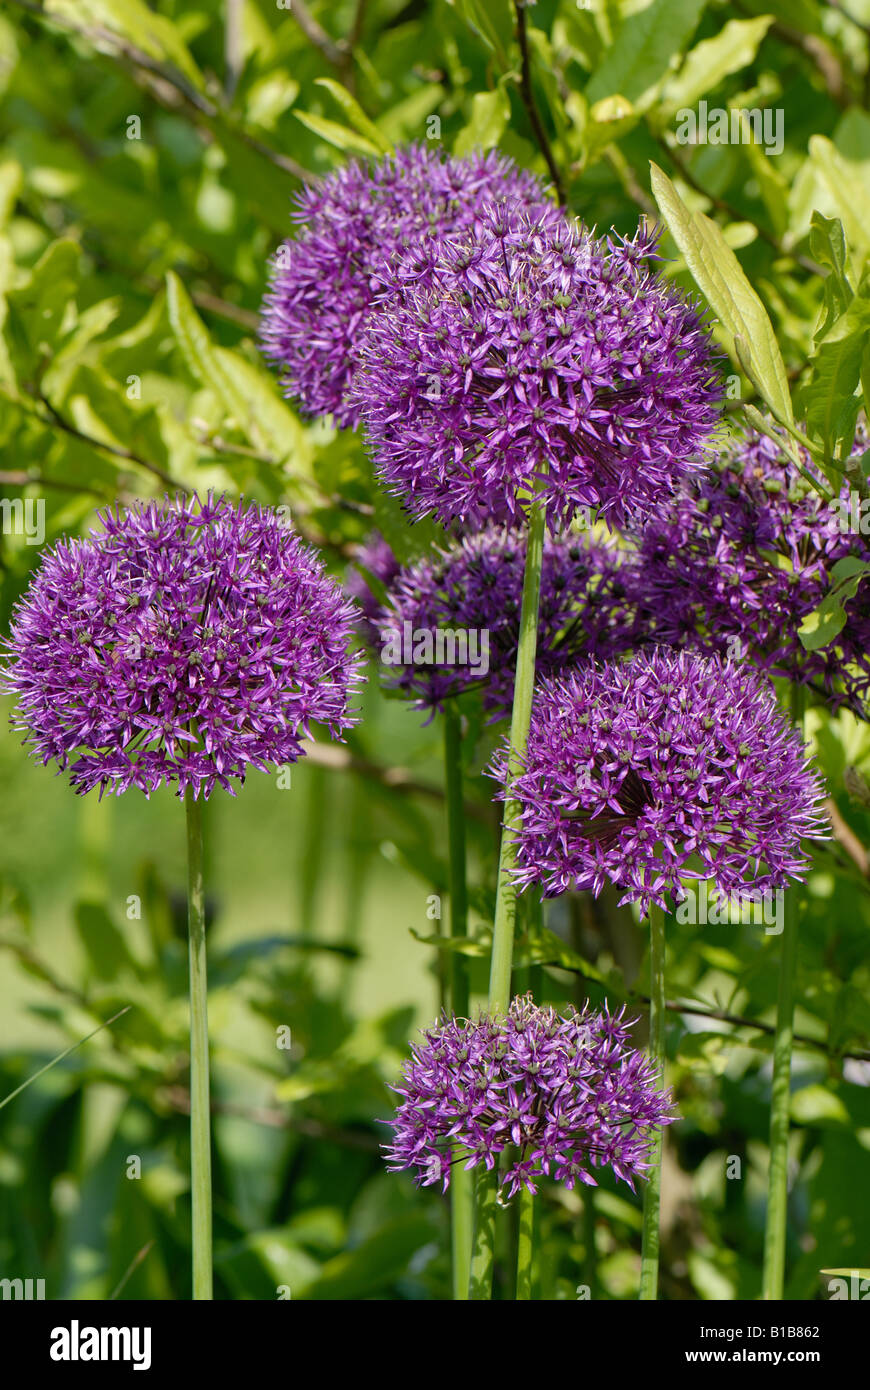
pixel 182 642
pixel 567 1093
pixel 737 559
pixel 525 351
pixel 353 225
pixel 469 595
pixel 670 765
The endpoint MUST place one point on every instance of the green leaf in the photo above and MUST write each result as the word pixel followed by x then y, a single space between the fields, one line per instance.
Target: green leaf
pixel 848 187
pixel 818 1105
pixel 286 439
pixel 155 34
pixel 11 180
pixel 706 1052
pixel 608 120
pixel 355 114
pixel 544 947
pixel 719 275
pixel 828 247
pixel 490 113
pixel 491 20
pixel 709 62
pixel 37 309
pixel 639 60
pixel 363 1272
pixel 339 135
pixel 99 407
pixel 106 948
pixel 204 360
pixel 820 627
pixel 828 401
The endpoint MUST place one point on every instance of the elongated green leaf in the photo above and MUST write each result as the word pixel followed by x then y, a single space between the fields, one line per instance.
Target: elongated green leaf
pixel 155 34
pixel 204 361
pixel 339 135
pixel 490 113
pixel 705 66
pixel 37 309
pixel 355 114
pixel 719 275
pixel 828 400
pixel 640 58
pixel 360 1273
pixel 285 438
pixel 820 627
pixel 848 187
pixel 491 20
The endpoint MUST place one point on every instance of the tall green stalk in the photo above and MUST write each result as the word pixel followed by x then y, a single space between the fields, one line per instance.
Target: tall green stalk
pixel 462 1182
pixel 773 1273
pixel 649 1257
pixel 200 1114
pixel 457 995
pixel 506 893
pixel 525 1244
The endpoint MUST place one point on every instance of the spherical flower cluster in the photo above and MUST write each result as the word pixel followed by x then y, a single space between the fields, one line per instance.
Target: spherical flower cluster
pixel 180 643
pixel 526 353
pixel 353 224
pixel 667 766
pixel 468 598
pixel 737 559
pixel 567 1093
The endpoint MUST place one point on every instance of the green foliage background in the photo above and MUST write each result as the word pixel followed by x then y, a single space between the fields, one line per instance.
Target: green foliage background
pixel 149 154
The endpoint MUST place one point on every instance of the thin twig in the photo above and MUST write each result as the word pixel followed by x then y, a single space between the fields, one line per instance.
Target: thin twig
pixel 679 1006
pixel 131 1268
pixel 116 450
pixel 21 478
pixel 845 836
pixel 233 46
pixel 528 99
pixel 334 51
pixel 338 759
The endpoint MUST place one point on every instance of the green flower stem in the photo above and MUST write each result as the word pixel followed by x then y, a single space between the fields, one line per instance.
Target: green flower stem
pixel 462 1182
pixel 200 1114
pixel 457 995
pixel 524 684
pixel 525 1243
pixel 649 1257
pixel 773 1273
pixel 506 893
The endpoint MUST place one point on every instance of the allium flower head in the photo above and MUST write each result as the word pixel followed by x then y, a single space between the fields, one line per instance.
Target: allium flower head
pixel 471 593
pixel 180 643
pixel 670 765
pixel 737 558
pixel 525 350
pixel 352 226
pixel 566 1093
